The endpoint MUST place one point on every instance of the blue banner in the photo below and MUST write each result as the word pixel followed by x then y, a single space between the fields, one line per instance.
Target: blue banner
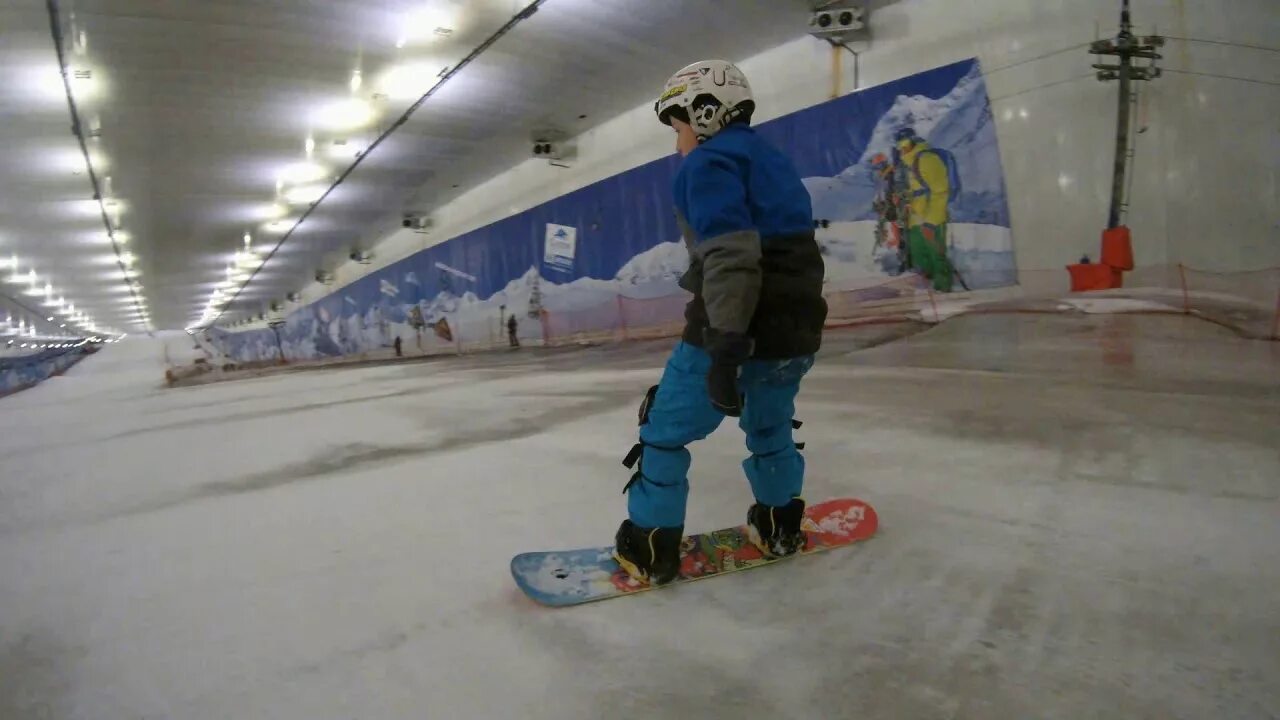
pixel 905 177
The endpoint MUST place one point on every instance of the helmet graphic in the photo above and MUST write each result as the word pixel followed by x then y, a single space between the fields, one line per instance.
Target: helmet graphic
pixel 907 133
pixel 879 161
pixel 708 94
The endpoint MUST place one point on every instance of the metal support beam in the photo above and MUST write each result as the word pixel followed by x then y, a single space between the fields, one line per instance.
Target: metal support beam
pixel 1126 46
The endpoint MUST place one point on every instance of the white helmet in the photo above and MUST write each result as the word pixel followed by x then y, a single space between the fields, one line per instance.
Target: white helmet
pixel 708 94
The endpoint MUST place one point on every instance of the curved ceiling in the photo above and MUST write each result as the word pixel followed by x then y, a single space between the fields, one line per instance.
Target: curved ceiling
pixel 197 115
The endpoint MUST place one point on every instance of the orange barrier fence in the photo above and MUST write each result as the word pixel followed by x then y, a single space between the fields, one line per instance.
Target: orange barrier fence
pixel 1248 302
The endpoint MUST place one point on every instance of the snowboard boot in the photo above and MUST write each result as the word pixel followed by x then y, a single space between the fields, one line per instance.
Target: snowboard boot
pixel 649 554
pixel 776 530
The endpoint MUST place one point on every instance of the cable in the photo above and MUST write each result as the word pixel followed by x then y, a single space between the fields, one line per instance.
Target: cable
pixel 1042 87
pixel 56 31
pixel 1038 57
pixel 1227 43
pixel 524 14
pixel 1221 77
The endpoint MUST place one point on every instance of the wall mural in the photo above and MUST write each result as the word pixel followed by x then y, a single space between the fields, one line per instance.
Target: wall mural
pixel 24 371
pixel 905 178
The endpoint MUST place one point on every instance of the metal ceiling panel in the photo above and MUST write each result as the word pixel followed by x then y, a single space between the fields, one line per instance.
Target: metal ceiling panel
pixel 201 103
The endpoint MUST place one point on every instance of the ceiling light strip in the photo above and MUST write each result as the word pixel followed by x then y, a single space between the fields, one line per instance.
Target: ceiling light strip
pixel 55 30
pixel 524 14
pixel 35 314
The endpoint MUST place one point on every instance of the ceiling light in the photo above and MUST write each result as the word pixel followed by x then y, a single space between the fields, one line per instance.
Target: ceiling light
pixel 99 163
pixel 345 114
pixel 344 150
pixel 246 260
pixel 309 145
pixel 356 81
pixel 122 237
pixel 430 22
pixel 127 258
pixel 409 81
pixel 279 226
pixel 84 86
pixel 303 172
pixel 304 194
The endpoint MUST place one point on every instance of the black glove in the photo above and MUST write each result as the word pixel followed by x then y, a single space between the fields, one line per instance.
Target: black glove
pixel 722 386
pixel 728 351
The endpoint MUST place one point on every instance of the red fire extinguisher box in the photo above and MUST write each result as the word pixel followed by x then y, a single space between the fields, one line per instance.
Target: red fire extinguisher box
pixel 1093 276
pixel 1117 248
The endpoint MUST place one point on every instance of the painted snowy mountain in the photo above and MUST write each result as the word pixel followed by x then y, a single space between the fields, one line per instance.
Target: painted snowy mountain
pixel 959 121
pixel 663 262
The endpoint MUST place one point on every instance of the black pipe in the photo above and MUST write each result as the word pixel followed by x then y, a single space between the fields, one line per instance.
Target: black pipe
pixel 55 29
pixel 524 14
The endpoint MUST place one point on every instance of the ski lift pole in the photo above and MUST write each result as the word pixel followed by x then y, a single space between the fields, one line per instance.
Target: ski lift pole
pixel 1126 46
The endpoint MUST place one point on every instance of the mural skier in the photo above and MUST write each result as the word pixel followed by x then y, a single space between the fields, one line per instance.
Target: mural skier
pixel 752 327
pixel 932 181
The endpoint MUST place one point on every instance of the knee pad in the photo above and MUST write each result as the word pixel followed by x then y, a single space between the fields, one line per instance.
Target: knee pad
pixel 634 458
pixel 647 404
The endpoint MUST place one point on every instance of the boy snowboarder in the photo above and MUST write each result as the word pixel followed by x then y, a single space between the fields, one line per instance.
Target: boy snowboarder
pixel 751 330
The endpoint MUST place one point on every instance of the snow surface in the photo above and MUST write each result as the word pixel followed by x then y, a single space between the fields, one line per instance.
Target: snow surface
pixel 1116 305
pixel 1078 519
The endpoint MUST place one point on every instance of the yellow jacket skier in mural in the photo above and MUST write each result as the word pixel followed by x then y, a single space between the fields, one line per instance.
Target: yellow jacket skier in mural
pixel 931 184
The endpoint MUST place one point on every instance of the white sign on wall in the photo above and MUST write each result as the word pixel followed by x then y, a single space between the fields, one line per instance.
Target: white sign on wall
pixel 562 242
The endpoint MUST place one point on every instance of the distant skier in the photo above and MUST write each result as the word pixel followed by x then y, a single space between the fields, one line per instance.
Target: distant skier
pixel 752 328
pixel 511 331
pixel 933 181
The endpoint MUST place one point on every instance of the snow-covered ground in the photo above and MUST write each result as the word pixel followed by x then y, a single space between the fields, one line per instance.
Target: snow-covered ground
pixel 1078 519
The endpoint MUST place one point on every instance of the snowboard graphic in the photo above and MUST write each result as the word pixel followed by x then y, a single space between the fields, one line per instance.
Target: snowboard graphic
pixel 573 577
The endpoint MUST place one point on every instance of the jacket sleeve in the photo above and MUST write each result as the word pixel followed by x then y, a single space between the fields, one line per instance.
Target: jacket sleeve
pixel 933 173
pixel 727 243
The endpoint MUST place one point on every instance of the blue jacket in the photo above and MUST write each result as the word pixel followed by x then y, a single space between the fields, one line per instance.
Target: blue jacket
pixel 754 265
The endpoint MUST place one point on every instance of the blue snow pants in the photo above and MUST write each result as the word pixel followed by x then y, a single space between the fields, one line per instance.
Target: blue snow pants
pixel 682 413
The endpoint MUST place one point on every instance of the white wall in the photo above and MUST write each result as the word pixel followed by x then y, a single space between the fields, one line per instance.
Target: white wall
pixel 1205 191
